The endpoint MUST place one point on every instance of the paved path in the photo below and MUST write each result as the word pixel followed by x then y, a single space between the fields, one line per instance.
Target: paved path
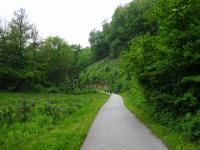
pixel 115 128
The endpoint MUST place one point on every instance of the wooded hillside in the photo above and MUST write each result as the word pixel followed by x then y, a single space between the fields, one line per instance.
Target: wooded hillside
pixel 158 43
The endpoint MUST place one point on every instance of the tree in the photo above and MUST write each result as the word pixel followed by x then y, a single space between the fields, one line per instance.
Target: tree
pixel 14 43
pixel 27 62
pixel 19 36
pixel 57 58
pixel 99 46
pixel 127 23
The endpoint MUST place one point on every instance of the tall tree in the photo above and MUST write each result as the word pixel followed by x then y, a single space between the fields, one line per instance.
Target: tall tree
pixel 19 35
pixel 99 45
pixel 57 58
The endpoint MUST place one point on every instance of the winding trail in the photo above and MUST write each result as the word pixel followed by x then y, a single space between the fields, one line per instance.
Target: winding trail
pixel 116 128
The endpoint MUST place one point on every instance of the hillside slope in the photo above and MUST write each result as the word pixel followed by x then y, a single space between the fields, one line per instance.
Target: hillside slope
pixel 105 74
pixel 110 74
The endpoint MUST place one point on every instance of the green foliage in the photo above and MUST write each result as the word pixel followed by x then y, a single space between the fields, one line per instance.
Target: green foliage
pixel 53 90
pixel 99 45
pixel 28 63
pixel 38 88
pixel 14 37
pixel 104 74
pixel 166 63
pixel 84 58
pixel 46 121
pixel 158 44
pixel 128 22
pixel 191 79
pixel 57 59
pixel 190 125
pixel 177 140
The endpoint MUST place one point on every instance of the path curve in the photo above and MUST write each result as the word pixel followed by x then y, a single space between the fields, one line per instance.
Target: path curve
pixel 116 128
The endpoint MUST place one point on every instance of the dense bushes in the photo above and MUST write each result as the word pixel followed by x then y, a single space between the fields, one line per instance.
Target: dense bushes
pixel 190 124
pixel 166 63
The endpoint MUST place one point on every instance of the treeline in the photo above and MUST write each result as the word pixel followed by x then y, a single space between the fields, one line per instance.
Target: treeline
pixel 127 23
pixel 28 62
pixel 159 45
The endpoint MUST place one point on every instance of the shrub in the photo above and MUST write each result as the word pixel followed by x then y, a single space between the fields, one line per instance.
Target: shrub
pixel 187 103
pixel 38 88
pixel 24 110
pixel 191 126
pixel 53 90
pixel 7 115
pixel 43 120
pixel 78 91
pixel 63 87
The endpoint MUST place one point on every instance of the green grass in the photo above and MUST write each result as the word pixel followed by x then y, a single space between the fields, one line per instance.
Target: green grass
pixel 135 101
pixel 46 121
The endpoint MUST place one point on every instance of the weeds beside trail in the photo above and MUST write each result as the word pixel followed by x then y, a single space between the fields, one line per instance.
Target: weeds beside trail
pixel 46 121
pixel 136 103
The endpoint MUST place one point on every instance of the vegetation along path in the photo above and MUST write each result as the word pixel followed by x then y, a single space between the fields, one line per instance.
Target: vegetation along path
pixel 115 128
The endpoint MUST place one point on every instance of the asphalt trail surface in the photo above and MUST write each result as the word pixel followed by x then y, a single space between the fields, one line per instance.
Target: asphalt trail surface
pixel 116 128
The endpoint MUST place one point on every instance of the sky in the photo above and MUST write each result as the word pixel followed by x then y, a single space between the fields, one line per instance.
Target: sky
pixel 70 19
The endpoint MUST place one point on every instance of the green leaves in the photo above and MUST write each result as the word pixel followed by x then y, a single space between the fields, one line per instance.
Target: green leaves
pixel 99 45
pixel 167 61
pixel 27 61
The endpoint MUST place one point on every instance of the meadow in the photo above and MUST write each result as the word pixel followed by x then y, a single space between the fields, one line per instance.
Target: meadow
pixel 46 121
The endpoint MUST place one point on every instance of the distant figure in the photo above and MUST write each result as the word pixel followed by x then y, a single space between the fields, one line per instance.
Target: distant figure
pixel 110 91
pixel 116 91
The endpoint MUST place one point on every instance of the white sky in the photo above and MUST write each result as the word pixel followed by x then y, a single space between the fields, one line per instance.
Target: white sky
pixel 71 19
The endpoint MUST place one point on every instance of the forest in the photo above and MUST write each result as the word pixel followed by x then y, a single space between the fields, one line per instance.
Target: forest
pixel 29 63
pixel 41 99
pixel 157 46
pixel 149 52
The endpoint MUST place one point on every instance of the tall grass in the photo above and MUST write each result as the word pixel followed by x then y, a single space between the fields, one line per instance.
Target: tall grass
pixel 136 102
pixel 46 121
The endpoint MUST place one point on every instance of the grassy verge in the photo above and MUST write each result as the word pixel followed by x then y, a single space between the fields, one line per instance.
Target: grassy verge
pixel 135 101
pixel 46 121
